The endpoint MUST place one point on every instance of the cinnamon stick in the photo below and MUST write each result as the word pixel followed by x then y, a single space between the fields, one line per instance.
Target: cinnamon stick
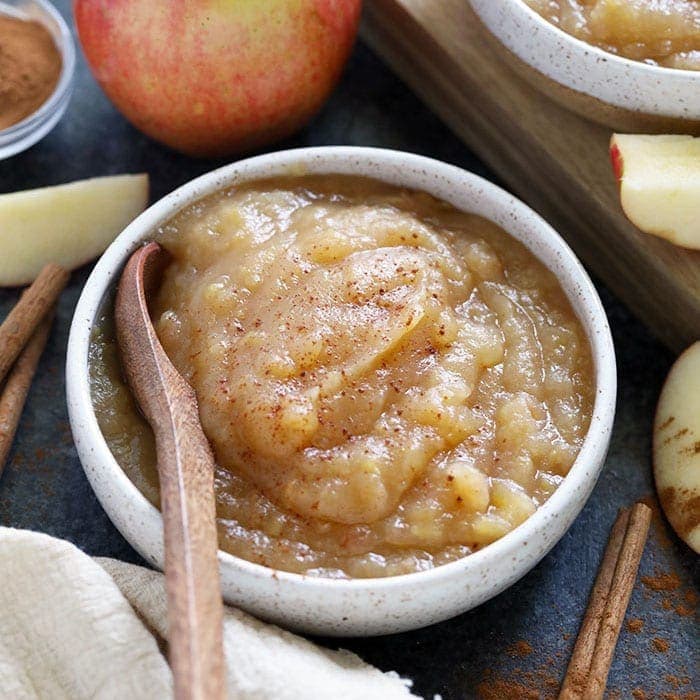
pixel 22 321
pixel 577 672
pixel 16 387
pixel 618 599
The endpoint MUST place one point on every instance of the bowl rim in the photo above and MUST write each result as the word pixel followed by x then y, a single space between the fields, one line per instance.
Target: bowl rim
pixel 616 81
pixel 63 85
pixel 84 421
pixel 653 70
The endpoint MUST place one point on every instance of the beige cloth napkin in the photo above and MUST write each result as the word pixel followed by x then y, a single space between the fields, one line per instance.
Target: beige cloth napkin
pixel 74 627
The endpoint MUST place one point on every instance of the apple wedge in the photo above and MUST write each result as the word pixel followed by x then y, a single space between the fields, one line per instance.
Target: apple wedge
pixel 677 446
pixel 659 180
pixel 67 224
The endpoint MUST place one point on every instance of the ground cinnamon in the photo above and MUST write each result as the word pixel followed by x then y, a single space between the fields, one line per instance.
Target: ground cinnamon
pixel 662 581
pixel 30 65
pixel 660 645
pixel 635 625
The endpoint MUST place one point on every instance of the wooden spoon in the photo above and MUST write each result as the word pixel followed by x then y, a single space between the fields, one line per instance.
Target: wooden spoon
pixel 186 474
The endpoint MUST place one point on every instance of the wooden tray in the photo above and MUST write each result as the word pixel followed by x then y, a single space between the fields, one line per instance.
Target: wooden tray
pixel 554 160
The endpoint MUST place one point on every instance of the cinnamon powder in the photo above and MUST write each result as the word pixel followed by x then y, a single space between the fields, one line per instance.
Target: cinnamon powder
pixel 662 581
pixel 660 645
pixel 30 66
pixel 635 625
pixel 520 649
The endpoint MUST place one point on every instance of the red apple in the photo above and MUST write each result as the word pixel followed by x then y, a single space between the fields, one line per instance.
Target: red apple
pixel 212 77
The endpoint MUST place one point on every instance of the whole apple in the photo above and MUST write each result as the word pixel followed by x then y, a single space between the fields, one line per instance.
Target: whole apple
pixel 213 77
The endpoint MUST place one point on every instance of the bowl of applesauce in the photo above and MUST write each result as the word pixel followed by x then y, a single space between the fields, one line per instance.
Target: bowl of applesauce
pixel 406 377
pixel 632 65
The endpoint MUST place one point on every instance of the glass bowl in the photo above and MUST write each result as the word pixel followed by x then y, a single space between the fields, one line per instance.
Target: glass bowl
pixel 26 133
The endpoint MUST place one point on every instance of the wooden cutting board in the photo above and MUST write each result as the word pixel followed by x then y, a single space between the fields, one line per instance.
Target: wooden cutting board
pixel 554 160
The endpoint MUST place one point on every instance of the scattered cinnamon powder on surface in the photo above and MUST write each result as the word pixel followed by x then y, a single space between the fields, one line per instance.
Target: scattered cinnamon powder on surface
pixel 635 625
pixel 537 684
pixel 662 581
pixel 675 681
pixel 520 649
pixel 660 645
pixel 682 602
pixel 499 689
pixel 684 610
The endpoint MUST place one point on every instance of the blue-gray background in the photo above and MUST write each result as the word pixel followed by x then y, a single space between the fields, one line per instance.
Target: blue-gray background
pixel 477 654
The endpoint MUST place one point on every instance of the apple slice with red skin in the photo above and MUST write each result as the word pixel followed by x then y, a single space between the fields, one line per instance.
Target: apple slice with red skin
pixel 659 178
pixel 677 446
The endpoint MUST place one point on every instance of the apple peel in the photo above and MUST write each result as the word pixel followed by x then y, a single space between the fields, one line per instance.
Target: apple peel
pixel 677 447
pixel 659 178
pixel 67 224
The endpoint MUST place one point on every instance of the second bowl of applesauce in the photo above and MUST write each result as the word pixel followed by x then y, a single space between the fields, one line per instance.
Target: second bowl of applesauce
pixel 658 32
pixel 632 65
pixel 407 404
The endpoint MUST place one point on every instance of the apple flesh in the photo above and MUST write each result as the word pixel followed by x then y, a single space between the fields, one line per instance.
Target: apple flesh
pixel 214 78
pixel 659 180
pixel 677 447
pixel 67 224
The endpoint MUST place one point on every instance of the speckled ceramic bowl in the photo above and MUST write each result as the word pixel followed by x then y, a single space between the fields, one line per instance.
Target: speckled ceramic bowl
pixel 360 606
pixel 623 94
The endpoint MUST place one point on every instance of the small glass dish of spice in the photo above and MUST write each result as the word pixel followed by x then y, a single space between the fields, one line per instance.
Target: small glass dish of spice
pixel 37 60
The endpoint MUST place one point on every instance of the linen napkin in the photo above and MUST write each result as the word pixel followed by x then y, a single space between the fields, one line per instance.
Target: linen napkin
pixel 75 627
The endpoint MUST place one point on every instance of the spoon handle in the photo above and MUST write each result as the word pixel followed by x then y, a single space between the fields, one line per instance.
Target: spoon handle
pixel 186 473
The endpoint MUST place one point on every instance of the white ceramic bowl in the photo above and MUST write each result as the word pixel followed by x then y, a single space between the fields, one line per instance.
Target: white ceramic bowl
pixel 360 606
pixel 616 91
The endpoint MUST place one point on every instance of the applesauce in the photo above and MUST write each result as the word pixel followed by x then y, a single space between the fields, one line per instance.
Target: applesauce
pixel 388 383
pixel 661 32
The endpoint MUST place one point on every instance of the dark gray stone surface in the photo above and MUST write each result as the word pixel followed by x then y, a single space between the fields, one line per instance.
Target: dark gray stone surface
pixel 477 654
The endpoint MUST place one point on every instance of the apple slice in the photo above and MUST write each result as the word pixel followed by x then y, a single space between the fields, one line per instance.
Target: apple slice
pixel 677 446
pixel 67 224
pixel 660 184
